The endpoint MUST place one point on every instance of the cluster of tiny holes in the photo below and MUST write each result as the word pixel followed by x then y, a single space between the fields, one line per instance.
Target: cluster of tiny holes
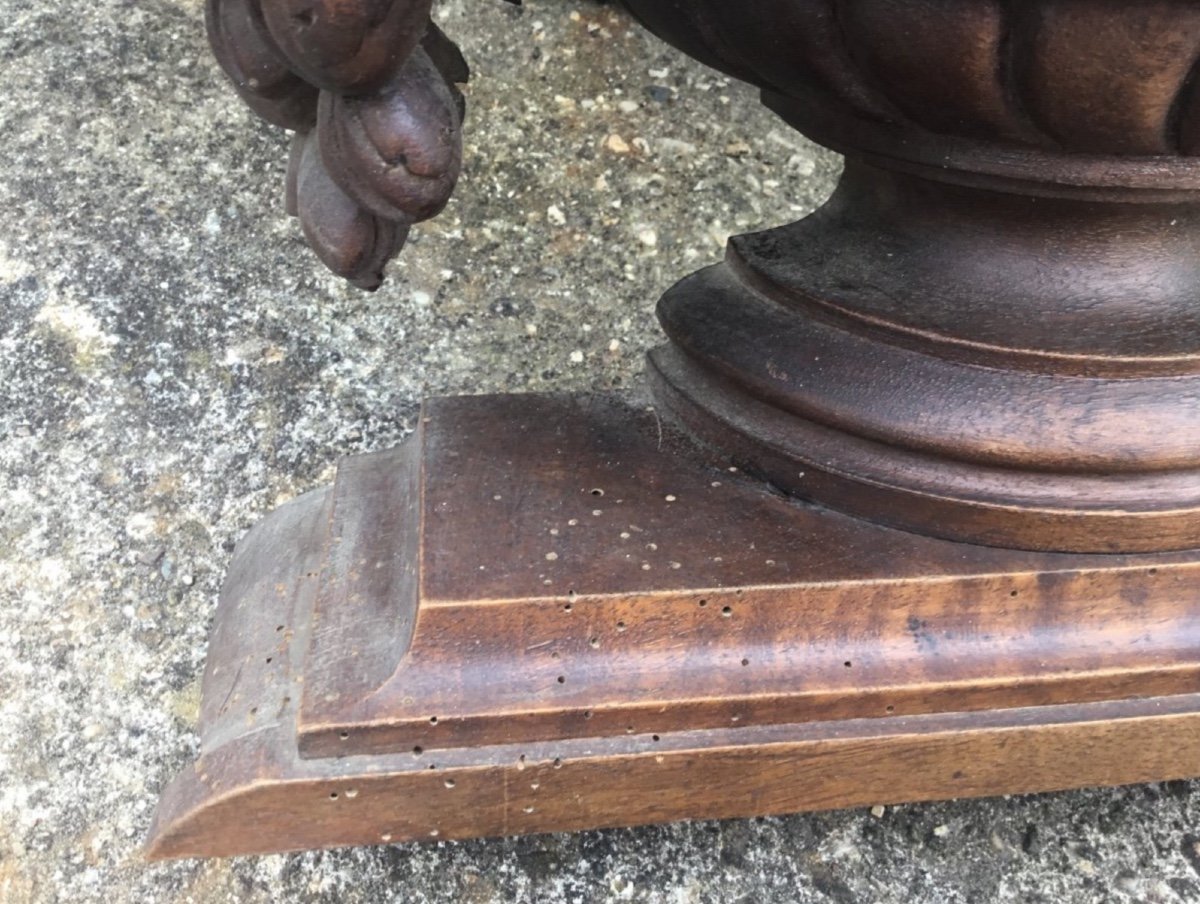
pixel 726 611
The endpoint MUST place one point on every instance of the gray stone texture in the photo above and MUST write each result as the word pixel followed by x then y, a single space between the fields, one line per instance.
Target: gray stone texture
pixel 174 363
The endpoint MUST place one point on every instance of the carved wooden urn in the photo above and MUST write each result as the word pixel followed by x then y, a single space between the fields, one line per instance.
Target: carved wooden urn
pixel 991 331
pixel 916 513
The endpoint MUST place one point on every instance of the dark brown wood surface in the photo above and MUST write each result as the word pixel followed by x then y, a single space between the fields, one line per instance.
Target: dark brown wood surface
pixel 1097 77
pixel 583 623
pixel 989 332
pixel 551 613
pixel 369 87
pixel 565 590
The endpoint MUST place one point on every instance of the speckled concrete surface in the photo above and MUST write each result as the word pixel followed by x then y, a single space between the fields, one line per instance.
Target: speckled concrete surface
pixel 173 364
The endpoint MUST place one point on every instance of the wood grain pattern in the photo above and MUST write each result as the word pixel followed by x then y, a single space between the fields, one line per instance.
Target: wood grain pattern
pixel 251 797
pixel 793 658
pixel 549 613
pixel 629 621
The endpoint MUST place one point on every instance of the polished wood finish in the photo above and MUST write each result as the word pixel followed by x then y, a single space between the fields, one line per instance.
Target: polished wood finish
pixel 989 332
pixel 548 613
pixel 537 637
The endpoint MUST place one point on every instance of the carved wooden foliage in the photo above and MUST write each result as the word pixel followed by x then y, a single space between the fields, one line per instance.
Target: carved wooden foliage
pixel 396 149
pixel 249 57
pixel 369 86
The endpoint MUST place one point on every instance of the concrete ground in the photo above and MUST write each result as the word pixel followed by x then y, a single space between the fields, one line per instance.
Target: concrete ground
pixel 174 363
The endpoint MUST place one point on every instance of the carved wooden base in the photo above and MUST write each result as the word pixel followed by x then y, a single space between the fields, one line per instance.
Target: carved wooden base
pixel 549 613
pixel 995 367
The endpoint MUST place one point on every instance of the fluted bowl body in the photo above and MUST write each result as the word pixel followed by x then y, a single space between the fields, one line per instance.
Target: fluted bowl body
pixel 1106 77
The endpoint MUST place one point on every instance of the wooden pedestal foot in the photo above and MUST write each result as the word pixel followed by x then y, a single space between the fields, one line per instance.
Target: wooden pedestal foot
pixel 550 613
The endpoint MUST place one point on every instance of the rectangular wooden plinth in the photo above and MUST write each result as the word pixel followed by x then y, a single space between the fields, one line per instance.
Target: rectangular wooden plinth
pixel 549 613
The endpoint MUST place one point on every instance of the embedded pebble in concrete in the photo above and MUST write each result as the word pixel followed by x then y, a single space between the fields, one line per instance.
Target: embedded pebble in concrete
pixel 174 364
